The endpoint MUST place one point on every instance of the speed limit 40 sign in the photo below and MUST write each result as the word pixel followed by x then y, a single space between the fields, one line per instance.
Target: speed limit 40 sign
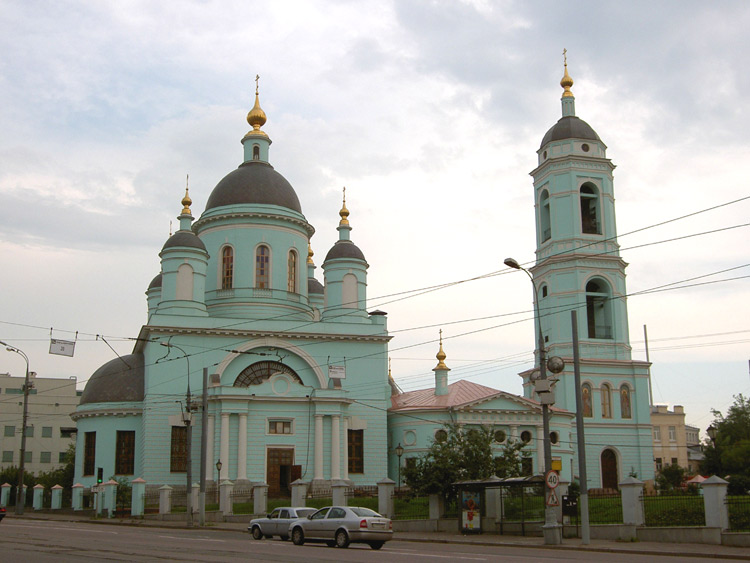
pixel 552 478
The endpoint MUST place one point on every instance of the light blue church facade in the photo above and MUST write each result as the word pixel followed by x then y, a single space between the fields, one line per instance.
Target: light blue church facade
pixel 299 385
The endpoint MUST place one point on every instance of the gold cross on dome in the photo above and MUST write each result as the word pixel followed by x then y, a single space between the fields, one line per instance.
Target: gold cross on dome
pixel 257 77
pixel 565 56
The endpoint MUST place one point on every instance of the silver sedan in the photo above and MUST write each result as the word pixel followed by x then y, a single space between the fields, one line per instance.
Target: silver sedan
pixel 277 523
pixel 341 525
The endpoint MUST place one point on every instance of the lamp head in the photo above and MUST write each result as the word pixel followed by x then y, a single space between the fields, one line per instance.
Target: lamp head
pixel 711 431
pixel 399 450
pixel 218 465
pixel 511 263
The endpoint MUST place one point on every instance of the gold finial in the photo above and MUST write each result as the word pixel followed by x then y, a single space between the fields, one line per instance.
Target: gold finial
pixel 310 254
pixel 344 213
pixel 256 117
pixel 441 355
pixel 566 81
pixel 186 201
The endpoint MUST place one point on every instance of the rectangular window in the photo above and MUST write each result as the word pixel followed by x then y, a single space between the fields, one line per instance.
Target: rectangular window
pixel 125 452
pixel 658 464
pixel 672 434
pixel 62 457
pixel 67 432
pixel 29 431
pixel 46 432
pixel 279 426
pixel 45 457
pixel 28 457
pixel 178 453
pixel 356 449
pixel 89 453
pixel 8 456
pixel 10 431
pixel 657 433
pixel 674 461
pixel 9 391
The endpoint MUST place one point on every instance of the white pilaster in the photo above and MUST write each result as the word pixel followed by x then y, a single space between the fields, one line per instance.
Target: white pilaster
pixel 318 446
pixel 210 453
pixel 346 447
pixel 242 448
pixel 224 455
pixel 336 446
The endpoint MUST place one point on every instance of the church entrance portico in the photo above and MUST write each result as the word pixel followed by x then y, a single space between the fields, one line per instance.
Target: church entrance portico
pixel 281 471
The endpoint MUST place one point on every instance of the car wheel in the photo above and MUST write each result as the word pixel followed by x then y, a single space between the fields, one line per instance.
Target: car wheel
pixel 376 544
pixel 342 539
pixel 257 534
pixel 298 536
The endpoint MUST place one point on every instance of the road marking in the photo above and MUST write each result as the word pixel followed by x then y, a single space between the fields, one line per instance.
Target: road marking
pixel 194 539
pixel 86 531
pixel 435 556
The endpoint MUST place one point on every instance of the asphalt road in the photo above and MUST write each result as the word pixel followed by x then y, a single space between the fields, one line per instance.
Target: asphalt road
pixel 30 541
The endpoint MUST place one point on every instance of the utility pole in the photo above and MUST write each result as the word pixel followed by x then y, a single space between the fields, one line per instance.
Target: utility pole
pixel 204 448
pixel 189 438
pixel 585 528
pixel 20 497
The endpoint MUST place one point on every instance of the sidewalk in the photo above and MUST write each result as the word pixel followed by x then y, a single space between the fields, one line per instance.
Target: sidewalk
pixel 693 550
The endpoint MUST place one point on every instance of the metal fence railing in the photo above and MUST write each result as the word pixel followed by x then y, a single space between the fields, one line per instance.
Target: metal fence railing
pixel 522 504
pixel 242 500
pixel 318 497
pixel 363 495
pixel 738 507
pixel 407 506
pixel 674 509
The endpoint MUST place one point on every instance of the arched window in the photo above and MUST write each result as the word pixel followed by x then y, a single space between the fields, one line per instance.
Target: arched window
pixel 586 399
pixel 260 372
pixel 625 410
pixel 256 152
pixel 184 282
pixel 544 216
pixel 227 267
pixel 590 221
pixel 598 309
pixel 291 277
pixel 262 254
pixel 349 295
pixel 606 401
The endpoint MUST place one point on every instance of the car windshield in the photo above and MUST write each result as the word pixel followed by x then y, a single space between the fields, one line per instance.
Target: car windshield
pixel 359 511
pixel 302 512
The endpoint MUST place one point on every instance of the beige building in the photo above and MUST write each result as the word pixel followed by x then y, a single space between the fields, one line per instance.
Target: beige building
pixel 50 430
pixel 670 436
pixel 694 448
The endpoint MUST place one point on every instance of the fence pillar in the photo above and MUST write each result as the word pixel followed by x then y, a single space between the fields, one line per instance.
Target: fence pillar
pixel 5 493
pixel 299 492
pixel 338 492
pixel 196 497
pixel 110 497
pixel 386 488
pixel 23 496
pixel 56 497
pixel 165 499
pixel 76 494
pixel 225 497
pixel 38 497
pixel 260 498
pixel 632 503
pixel 714 502
pixel 138 499
pixel 437 507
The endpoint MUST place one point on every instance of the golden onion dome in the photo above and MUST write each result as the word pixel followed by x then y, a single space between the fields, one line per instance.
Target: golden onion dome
pixel 256 117
pixel 566 82
pixel 344 213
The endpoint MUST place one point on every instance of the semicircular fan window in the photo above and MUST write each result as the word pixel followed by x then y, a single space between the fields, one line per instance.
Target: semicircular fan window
pixel 261 371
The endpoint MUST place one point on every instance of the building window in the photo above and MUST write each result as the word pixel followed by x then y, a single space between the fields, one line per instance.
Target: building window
pixel 606 401
pixel 256 152
pixel 658 464
pixel 672 434
pixel 29 431
pixel 527 466
pixel 262 255
pixel 674 461
pixel 28 457
pixel 657 433
pixel 178 451
pixel 544 216
pixel 586 399
pixel 590 223
pixel 261 372
pixel 441 435
pixel 9 391
pixel 526 436
pixel 46 432
pixel 291 280
pixel 499 436
pixel 544 291
pixel 125 453
pixel 184 286
pixel 45 457
pixel 227 267
pixel 349 289
pixel 89 453
pixel 8 456
pixel 67 432
pixel 62 457
pixel 356 451
pixel 598 309
pixel 10 431
pixel 625 410
pixel 279 426
pixel 554 438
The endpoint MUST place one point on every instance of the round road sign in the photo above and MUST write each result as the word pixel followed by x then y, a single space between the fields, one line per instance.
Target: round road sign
pixel 552 478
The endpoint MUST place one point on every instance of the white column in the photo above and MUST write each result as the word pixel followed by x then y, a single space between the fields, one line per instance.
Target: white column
pixel 224 454
pixel 346 447
pixel 336 446
pixel 318 446
pixel 242 448
pixel 540 448
pixel 210 453
pixel 514 432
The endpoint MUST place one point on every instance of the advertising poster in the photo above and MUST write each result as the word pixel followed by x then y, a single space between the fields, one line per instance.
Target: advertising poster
pixel 470 509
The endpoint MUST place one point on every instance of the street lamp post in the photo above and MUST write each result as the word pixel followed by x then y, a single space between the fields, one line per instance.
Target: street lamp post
pixel 20 498
pixel 399 453
pixel 550 518
pixel 218 478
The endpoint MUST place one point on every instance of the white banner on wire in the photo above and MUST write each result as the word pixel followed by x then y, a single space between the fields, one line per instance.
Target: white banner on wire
pixel 62 347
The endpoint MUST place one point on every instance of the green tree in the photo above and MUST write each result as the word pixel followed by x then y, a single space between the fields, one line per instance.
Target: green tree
pixel 670 477
pixel 729 454
pixel 509 463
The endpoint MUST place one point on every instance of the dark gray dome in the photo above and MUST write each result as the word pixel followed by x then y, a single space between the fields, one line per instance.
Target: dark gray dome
pixel 570 127
pixel 345 249
pixel 116 381
pixel 184 238
pixel 314 286
pixel 254 182
pixel 156 282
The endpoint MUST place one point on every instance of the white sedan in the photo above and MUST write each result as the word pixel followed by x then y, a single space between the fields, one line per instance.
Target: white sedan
pixel 341 525
pixel 277 523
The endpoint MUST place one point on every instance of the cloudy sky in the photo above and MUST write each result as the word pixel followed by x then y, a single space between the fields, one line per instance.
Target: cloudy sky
pixel 430 113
